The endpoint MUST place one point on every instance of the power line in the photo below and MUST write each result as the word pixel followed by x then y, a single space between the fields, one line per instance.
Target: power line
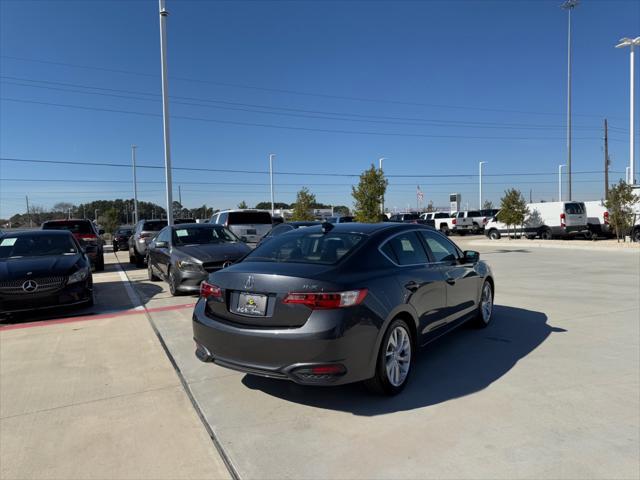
pixel 288 91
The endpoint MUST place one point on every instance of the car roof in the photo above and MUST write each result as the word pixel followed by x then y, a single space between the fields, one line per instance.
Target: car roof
pixel 37 233
pixel 243 210
pixel 370 228
pixel 302 223
pixel 67 220
pixel 196 225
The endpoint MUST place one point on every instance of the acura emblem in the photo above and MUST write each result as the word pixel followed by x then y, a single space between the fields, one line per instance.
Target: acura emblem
pixel 30 286
pixel 248 285
pixel 226 264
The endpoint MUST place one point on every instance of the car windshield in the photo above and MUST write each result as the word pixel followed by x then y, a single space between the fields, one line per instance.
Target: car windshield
pixel 36 246
pixel 306 247
pixel 154 226
pixel 249 218
pixel 79 227
pixel 202 235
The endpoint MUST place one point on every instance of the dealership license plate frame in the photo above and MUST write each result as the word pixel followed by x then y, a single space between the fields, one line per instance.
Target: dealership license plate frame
pixel 252 304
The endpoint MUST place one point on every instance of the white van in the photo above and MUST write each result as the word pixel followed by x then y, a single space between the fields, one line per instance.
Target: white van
pixel 546 220
pixel 250 224
pixel 598 218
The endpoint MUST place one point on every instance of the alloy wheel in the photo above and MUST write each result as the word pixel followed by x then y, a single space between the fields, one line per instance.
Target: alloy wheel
pixel 398 356
pixel 486 303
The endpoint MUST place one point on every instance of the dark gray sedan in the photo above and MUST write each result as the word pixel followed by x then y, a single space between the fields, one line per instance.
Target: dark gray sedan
pixel 342 303
pixel 184 255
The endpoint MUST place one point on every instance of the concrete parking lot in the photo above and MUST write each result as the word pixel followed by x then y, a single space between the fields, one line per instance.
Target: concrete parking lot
pixel 550 390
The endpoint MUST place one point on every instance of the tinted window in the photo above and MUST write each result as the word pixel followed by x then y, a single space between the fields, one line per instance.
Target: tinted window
pixel 222 218
pixel 306 247
pixel 202 235
pixel 79 227
pixel 249 218
pixel 574 208
pixel 346 219
pixel 441 248
pixel 163 236
pixel 125 232
pixel 474 213
pixel 460 215
pixel 154 226
pixel 441 215
pixel 279 230
pixel 407 249
pixel 36 246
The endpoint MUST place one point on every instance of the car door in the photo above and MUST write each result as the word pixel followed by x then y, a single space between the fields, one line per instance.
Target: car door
pixel 424 285
pixel 461 278
pixel 162 255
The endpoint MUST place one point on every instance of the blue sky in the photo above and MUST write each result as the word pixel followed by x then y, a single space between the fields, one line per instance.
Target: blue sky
pixel 442 85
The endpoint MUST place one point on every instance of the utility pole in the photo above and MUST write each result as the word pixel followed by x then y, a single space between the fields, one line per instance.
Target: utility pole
pixel 271 155
pixel 135 185
pixel 631 43
pixel 95 216
pixel 380 160
pixel 569 5
pixel 606 160
pixel 560 182
pixel 29 212
pixel 165 110
pixel 69 216
pixel 84 212
pixel 480 186
pixel 180 195
pixel 531 195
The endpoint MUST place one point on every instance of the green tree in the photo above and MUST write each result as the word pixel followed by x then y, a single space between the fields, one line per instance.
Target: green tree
pixel 267 205
pixel 619 201
pixel 487 205
pixel 302 209
pixel 341 210
pixel 242 205
pixel 368 195
pixel 109 220
pixel 513 209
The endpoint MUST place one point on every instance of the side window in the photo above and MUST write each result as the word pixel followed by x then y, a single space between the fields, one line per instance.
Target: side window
pixel 406 249
pixel 163 236
pixel 222 218
pixel 214 219
pixel 441 248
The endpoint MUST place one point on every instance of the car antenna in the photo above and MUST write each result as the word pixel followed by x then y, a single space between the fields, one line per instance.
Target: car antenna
pixel 327 227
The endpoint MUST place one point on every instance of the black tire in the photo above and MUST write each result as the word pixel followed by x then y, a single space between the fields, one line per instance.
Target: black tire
pixel 462 233
pixel 635 235
pixel 483 318
pixel 444 229
pixel 380 382
pixel 139 260
pixel 494 234
pixel 132 258
pixel 531 237
pixel 99 266
pixel 91 302
pixel 115 246
pixel 546 234
pixel 173 286
pixel 150 273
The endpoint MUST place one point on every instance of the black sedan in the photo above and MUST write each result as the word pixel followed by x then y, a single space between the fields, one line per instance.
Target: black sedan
pixel 284 228
pixel 183 255
pixel 121 237
pixel 341 303
pixel 43 269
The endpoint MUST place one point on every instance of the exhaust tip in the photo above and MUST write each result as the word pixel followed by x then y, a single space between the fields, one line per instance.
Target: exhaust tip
pixel 203 354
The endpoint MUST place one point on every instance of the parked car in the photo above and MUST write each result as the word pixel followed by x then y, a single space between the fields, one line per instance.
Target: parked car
pixel 250 224
pixel 329 305
pixel 121 237
pixel 87 234
pixel 183 255
pixel 43 269
pixel 143 233
pixel 447 224
pixel 284 228
pixel 598 219
pixel 477 218
pixel 404 217
pixel 340 219
pixel 545 220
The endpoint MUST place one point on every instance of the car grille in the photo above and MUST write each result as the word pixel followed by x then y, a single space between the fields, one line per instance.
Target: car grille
pixel 213 266
pixel 45 284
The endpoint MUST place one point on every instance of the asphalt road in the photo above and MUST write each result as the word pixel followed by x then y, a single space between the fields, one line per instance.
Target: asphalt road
pixel 550 390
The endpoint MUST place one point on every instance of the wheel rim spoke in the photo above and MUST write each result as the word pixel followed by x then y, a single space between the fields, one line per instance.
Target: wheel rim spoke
pixel 398 356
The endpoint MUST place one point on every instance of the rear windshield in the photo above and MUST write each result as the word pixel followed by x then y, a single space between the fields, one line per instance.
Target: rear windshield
pixel 202 235
pixel 249 218
pixel 573 208
pixel 441 215
pixel 411 216
pixel 474 213
pixel 125 232
pixel 155 226
pixel 36 246
pixel 306 247
pixel 79 227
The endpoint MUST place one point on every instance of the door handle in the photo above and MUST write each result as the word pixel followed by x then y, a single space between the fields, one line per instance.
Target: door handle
pixel 412 286
pixel 451 281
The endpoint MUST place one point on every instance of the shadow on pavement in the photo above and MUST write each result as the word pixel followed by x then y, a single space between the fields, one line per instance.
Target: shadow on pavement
pixel 461 363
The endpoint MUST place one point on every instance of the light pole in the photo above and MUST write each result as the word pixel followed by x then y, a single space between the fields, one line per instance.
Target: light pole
pixel 271 155
pixel 382 199
pixel 569 5
pixel 631 43
pixel 560 182
pixel 165 110
pixel 135 185
pixel 480 186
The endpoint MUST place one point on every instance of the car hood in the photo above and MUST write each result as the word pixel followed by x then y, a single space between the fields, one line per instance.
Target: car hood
pixel 214 251
pixel 46 266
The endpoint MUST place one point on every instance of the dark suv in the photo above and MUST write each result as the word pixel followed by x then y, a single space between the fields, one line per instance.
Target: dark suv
pixel 87 235
pixel 121 237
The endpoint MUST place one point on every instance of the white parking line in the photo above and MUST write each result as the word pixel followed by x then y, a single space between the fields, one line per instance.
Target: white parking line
pixel 133 296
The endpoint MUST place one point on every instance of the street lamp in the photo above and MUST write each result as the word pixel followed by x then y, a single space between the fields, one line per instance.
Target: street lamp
pixel 631 43
pixel 569 5
pixel 382 200
pixel 271 156
pixel 480 189
pixel 165 111
pixel 135 185
pixel 560 182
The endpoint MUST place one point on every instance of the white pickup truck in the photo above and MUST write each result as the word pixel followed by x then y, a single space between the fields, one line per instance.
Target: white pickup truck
pixel 449 224
pixel 635 228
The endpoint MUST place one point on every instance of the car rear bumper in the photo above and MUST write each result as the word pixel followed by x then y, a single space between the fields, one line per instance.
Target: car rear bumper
pixel 333 337
pixel 74 294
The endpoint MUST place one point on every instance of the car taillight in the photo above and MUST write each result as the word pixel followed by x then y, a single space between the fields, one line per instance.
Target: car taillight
pixel 606 218
pixel 563 220
pixel 88 238
pixel 208 290
pixel 145 235
pixel 453 221
pixel 321 300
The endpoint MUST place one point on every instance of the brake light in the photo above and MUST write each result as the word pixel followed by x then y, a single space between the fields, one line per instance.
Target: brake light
pixel 606 218
pixel 563 220
pixel 322 300
pixel 87 237
pixel 208 290
pixel 453 221
pixel 145 235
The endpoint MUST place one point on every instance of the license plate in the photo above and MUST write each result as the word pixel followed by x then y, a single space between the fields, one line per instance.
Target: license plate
pixel 252 231
pixel 252 304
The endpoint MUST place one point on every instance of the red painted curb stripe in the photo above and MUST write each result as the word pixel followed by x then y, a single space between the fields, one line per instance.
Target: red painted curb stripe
pixel 58 321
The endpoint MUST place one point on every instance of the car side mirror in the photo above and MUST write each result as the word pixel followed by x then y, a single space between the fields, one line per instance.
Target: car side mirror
pixel 160 244
pixel 244 239
pixel 471 256
pixel 101 231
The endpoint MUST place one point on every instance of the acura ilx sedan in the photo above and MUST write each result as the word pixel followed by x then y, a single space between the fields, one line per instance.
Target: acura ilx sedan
pixel 340 303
